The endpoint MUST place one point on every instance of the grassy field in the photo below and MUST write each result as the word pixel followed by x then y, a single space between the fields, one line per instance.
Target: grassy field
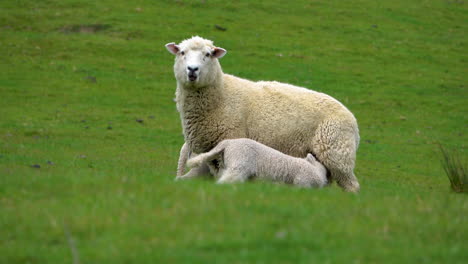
pixel 89 132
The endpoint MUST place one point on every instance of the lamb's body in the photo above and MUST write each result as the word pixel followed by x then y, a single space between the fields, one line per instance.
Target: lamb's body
pixel 241 159
pixel 290 119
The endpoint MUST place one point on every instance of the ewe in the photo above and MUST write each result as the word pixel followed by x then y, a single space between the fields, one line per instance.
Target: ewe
pixel 214 106
pixel 240 159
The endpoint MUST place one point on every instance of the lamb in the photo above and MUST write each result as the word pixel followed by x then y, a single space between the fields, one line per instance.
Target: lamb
pixel 240 159
pixel 214 106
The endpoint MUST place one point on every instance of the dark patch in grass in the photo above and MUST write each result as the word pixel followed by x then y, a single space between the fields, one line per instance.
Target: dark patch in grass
pixel 36 166
pixel 32 133
pixel 91 79
pixel 220 28
pixel 86 29
pixel 455 170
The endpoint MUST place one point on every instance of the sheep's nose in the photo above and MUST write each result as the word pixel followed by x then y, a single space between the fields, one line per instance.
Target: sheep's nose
pixel 192 69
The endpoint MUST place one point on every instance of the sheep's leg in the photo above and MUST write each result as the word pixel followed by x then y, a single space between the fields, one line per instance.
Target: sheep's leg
pixel 335 148
pixel 341 169
pixel 232 176
pixel 184 154
pixel 194 172
pixel 340 165
pixel 346 180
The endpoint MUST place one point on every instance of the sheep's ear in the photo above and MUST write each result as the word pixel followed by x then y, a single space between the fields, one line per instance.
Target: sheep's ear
pixel 172 48
pixel 219 52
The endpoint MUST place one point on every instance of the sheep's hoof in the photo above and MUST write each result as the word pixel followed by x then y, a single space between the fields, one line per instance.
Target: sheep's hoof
pixel 354 188
pixel 184 177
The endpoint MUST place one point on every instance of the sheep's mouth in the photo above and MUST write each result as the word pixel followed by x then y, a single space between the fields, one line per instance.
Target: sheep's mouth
pixel 192 77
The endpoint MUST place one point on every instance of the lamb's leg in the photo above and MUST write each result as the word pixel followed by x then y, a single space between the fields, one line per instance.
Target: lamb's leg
pixel 335 148
pixel 232 175
pixel 199 163
pixel 195 172
pixel 200 170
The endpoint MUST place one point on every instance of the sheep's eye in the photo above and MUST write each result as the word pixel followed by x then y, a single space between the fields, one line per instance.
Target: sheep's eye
pixel 182 53
pixel 208 54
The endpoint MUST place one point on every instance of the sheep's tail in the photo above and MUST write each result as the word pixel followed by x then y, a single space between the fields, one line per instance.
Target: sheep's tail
pixel 205 157
pixel 183 157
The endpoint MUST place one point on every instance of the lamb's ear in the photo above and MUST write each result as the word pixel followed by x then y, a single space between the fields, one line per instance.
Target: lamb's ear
pixel 172 48
pixel 219 52
pixel 310 158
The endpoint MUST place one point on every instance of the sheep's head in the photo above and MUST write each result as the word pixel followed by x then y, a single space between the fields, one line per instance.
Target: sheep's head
pixel 196 63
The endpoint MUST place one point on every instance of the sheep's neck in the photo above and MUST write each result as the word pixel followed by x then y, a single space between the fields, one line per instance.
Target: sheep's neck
pixel 198 101
pixel 204 97
pixel 196 107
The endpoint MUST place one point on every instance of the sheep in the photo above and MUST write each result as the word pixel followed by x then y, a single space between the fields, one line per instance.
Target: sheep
pixel 240 159
pixel 214 106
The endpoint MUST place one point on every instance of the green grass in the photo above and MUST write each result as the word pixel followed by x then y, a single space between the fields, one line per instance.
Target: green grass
pixel 104 192
pixel 455 169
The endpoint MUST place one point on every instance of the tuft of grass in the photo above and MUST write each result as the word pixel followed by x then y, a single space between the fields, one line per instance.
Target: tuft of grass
pixel 455 170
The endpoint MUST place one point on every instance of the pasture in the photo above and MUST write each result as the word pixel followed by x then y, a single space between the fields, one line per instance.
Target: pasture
pixel 90 136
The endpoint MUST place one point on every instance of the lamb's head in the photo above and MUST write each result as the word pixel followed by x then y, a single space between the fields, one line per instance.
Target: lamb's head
pixel 196 64
pixel 319 166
